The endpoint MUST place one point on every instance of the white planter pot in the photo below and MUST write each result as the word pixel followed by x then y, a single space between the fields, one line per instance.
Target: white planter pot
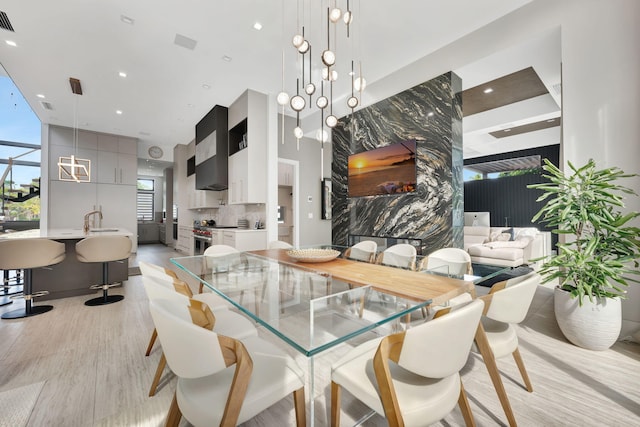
pixel 594 325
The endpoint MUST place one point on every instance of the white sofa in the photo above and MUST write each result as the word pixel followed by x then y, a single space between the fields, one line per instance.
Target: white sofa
pixel 499 246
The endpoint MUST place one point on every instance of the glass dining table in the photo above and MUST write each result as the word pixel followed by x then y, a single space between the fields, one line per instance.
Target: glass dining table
pixel 313 307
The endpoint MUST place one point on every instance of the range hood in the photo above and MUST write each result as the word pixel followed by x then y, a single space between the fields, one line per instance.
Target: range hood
pixel 212 150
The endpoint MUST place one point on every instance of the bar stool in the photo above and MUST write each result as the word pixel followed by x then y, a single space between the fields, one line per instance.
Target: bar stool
pixel 103 249
pixel 27 254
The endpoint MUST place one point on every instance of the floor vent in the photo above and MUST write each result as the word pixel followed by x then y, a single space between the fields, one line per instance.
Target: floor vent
pixel 5 23
pixel 46 105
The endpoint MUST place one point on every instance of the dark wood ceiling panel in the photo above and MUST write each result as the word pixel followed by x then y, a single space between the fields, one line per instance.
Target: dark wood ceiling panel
pixel 514 87
pixel 530 127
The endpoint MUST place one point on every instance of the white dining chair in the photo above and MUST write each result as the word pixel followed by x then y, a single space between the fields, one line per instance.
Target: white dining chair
pixel 449 261
pixel 279 244
pixel 218 253
pixel 402 255
pixel 506 305
pixel 221 380
pixel 362 251
pixel 411 378
pixel 214 301
pixel 224 322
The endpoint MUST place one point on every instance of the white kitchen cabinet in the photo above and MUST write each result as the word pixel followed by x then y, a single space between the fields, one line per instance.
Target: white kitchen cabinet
pixel 285 174
pixel 205 199
pixel 247 149
pixel 185 240
pixel 117 168
pixel 245 240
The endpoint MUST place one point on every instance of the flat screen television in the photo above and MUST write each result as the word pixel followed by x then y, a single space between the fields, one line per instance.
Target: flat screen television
pixel 383 171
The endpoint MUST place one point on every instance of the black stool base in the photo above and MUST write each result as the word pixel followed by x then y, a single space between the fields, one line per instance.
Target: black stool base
pixel 5 301
pixel 109 299
pixel 23 312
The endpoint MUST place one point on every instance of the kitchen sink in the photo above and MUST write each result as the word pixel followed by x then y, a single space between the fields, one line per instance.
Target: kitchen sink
pixel 102 230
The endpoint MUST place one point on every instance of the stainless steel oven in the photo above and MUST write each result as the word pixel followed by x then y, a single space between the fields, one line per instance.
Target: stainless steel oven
pixel 201 241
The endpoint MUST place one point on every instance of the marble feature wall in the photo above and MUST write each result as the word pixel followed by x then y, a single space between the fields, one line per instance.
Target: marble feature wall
pixel 432 213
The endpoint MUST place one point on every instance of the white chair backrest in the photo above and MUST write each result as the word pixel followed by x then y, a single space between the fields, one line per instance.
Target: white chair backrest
pixel 153 270
pixel 456 261
pixel 191 351
pixel 279 244
pixel 511 304
pixel 16 254
pixel 440 347
pixel 158 288
pixel 402 255
pixel 220 250
pixel 363 251
pixel 103 248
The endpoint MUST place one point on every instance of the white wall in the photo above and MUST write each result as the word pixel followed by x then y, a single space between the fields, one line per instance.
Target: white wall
pixel 312 231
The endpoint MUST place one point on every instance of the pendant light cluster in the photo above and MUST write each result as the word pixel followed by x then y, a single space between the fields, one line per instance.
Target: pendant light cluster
pixel 334 16
pixel 72 168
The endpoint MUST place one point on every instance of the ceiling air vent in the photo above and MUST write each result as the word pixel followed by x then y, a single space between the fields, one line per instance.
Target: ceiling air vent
pixel 4 22
pixel 46 105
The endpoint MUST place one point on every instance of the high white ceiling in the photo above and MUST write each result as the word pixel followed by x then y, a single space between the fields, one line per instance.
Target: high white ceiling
pixel 169 88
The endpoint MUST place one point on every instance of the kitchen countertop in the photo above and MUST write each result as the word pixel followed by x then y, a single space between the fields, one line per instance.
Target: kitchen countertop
pixel 64 233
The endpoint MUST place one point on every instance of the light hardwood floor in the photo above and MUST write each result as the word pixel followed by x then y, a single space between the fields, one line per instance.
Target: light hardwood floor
pixel 95 372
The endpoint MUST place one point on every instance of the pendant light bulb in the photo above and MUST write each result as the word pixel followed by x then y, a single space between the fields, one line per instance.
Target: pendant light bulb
pixel 352 102
pixel 304 47
pixel 347 17
pixel 322 135
pixel 322 102
pixel 359 84
pixel 328 58
pixel 298 103
pixel 331 121
pixel 310 89
pixel 330 75
pixel 297 132
pixel 335 14
pixel 297 40
pixel 283 98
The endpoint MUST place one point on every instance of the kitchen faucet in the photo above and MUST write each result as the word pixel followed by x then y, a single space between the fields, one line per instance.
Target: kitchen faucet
pixel 86 220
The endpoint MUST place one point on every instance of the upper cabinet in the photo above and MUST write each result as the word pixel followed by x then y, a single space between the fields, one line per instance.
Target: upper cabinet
pixel 212 144
pixel 248 149
pixel 117 160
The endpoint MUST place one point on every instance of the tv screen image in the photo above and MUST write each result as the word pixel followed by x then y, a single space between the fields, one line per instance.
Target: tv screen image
pixel 383 171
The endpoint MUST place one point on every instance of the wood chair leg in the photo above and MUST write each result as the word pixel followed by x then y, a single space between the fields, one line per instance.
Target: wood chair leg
pixel 200 288
pixel 490 362
pixel 156 379
pixel 335 404
pixel 152 341
pixel 463 402
pixel 174 415
pixel 300 406
pixel 525 377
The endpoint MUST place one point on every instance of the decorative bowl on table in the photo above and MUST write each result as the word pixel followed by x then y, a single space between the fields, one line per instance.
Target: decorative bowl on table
pixel 313 255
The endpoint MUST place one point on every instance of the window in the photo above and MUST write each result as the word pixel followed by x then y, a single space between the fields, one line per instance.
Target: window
pixel 503 168
pixel 19 140
pixel 145 199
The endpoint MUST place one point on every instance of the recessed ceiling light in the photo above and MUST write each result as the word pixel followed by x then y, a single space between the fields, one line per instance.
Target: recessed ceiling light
pixel 127 20
pixel 488 90
pixel 11 43
pixel 40 95
pixel 507 130
pixel 206 86
pixel 118 111
pixel 257 26
pixel 551 120
pixel 122 74
pixel 190 105
pixel 226 58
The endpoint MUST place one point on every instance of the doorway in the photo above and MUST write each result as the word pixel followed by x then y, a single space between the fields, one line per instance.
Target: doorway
pixel 288 201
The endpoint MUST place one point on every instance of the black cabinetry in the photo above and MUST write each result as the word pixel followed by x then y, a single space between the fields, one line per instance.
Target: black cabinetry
pixel 212 132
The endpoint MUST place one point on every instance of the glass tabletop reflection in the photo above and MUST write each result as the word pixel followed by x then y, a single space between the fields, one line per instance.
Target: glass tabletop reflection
pixel 303 307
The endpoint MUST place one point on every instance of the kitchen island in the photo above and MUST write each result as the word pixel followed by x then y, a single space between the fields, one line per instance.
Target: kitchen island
pixel 71 277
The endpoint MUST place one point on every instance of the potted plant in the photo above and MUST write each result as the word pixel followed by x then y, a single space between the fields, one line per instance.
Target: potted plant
pixel 601 249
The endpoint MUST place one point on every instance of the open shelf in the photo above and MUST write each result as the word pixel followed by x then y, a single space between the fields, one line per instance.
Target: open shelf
pixel 238 137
